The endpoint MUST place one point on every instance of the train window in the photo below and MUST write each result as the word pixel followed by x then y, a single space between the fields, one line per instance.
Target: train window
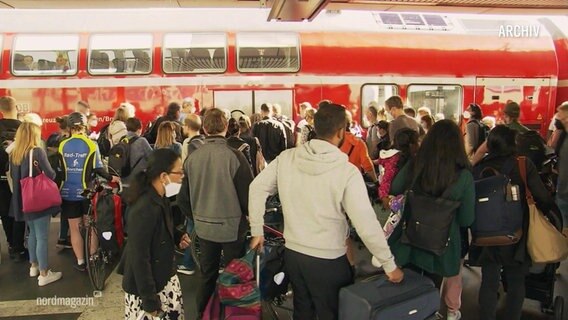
pixel 268 52
pixel 120 54
pixel 375 94
pixel 444 101
pixel 35 55
pixel 194 53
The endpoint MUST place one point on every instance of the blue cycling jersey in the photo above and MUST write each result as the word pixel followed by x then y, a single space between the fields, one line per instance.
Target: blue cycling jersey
pixel 80 156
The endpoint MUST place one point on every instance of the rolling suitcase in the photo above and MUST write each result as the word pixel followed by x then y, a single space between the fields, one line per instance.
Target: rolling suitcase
pixel 415 298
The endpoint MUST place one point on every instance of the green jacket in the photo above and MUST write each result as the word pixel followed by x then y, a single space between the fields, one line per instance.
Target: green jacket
pixel 449 263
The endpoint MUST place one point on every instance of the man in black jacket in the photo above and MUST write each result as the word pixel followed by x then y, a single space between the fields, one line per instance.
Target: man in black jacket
pixel 172 114
pixel 219 179
pixel 15 230
pixel 271 134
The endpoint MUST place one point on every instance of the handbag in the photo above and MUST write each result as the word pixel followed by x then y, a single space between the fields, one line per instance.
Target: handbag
pixel 40 192
pixel 237 286
pixel 428 221
pixel 545 243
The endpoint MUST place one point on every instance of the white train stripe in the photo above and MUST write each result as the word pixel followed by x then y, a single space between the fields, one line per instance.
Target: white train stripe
pixel 242 80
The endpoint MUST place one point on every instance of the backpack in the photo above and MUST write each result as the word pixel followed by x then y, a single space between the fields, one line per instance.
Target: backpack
pixel 103 141
pixel 260 161
pixel 428 220
pixel 195 144
pixel 119 157
pixel 311 133
pixel 531 145
pixel 498 209
pixel 483 133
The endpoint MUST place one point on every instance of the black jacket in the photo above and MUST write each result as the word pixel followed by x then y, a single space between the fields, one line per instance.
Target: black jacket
pixel 272 136
pixel 148 261
pixel 517 253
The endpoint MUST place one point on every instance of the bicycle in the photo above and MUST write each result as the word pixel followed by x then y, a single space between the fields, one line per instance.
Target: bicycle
pixel 97 256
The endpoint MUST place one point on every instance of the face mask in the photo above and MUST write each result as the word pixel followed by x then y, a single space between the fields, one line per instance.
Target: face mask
pixel 172 188
pixel 466 114
pixel 93 123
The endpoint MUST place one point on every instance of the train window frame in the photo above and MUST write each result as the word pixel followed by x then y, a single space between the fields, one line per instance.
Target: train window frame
pixel 364 107
pixel 130 36
pixel 459 104
pixel 267 39
pixel 199 71
pixel 72 45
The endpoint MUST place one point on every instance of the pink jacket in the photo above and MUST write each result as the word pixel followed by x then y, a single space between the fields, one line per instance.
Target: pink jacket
pixel 388 159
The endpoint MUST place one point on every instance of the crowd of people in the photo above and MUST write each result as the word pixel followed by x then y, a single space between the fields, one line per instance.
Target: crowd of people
pixel 320 168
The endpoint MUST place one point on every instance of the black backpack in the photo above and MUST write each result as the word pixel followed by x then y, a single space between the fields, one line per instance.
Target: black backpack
pixel 311 133
pixel 531 145
pixel 103 141
pixel 483 133
pixel 119 157
pixel 498 209
pixel 428 220
pixel 7 136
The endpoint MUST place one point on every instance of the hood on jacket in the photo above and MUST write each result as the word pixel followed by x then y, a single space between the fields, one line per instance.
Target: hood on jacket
pixel 317 157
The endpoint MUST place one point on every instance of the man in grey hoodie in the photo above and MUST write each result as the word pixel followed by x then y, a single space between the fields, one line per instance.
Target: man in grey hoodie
pixel 319 189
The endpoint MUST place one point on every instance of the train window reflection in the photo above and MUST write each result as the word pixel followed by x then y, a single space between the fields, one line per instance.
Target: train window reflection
pixel 195 53
pixel 120 54
pixel 268 52
pixel 444 101
pixel 375 94
pixel 35 55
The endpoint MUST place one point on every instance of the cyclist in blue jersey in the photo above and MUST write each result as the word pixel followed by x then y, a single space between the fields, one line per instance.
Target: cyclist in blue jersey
pixel 81 161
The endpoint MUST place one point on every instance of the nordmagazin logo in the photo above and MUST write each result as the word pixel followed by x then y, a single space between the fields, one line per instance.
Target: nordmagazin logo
pixel 519 31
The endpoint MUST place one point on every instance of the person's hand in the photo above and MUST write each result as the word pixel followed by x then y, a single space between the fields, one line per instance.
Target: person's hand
pixel 396 276
pixel 386 202
pixel 185 241
pixel 115 179
pixel 257 243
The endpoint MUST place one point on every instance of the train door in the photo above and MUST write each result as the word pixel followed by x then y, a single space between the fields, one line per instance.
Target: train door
pixel 533 95
pixel 249 101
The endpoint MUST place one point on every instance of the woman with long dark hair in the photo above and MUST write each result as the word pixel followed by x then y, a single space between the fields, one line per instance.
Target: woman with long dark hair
pixel 148 265
pixel 440 163
pixel 512 259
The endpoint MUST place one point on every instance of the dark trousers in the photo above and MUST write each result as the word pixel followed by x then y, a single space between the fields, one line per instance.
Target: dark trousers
pixel 316 283
pixel 209 264
pixel 8 226
pixel 488 293
pixel 19 236
pixel 63 228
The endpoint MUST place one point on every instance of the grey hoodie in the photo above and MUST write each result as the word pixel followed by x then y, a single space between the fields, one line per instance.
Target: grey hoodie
pixel 318 187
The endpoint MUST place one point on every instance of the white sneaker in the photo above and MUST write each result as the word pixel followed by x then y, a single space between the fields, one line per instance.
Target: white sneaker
pixel 34 272
pixel 454 315
pixel 49 278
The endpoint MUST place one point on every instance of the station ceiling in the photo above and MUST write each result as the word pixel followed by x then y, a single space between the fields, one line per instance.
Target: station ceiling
pixel 290 6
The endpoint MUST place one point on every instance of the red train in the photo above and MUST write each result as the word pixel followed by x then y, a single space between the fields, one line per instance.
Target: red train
pixel 235 59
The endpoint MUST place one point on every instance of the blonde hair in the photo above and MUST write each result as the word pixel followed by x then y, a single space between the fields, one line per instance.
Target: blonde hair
pixel 165 136
pixel 121 114
pixel 27 137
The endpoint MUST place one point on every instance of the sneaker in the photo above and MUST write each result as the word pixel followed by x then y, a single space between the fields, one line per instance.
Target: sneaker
pixel 454 315
pixel 63 244
pixel 80 267
pixel 11 253
pixel 34 271
pixel 21 256
pixel 185 270
pixel 49 278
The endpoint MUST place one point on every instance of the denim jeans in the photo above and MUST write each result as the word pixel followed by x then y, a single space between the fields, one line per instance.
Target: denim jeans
pixel 187 257
pixel 563 205
pixel 37 241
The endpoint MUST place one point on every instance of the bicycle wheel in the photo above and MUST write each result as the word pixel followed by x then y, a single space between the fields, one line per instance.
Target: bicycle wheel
pixel 95 258
pixel 195 253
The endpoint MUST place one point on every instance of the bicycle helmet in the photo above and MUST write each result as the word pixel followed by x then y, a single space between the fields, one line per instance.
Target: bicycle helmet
pixel 77 119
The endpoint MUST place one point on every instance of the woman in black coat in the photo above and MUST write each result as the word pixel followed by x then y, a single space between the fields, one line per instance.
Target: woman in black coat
pixel 148 263
pixel 513 259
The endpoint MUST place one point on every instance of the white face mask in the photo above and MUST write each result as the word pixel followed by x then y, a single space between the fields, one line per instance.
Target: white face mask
pixel 93 123
pixel 466 114
pixel 172 188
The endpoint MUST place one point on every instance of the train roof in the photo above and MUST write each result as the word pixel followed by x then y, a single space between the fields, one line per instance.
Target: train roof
pixel 250 19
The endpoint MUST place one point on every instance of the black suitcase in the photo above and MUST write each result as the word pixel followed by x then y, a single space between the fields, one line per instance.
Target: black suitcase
pixel 415 298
